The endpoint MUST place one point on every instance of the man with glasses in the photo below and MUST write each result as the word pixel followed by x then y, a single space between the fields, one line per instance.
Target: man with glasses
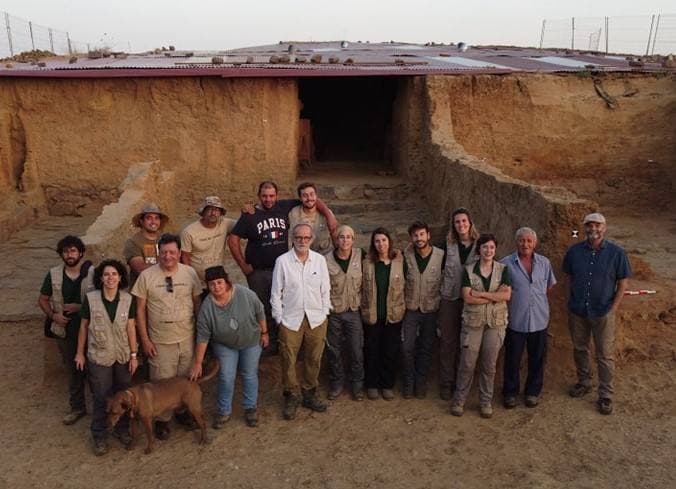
pixel 300 301
pixel 167 301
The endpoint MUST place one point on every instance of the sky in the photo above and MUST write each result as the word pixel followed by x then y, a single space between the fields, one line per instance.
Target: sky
pixel 142 25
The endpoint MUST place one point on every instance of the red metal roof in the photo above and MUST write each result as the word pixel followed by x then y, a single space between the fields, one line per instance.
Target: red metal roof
pixel 293 59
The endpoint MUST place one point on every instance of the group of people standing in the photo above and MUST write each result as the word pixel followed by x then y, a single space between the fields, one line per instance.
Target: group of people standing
pixel 309 287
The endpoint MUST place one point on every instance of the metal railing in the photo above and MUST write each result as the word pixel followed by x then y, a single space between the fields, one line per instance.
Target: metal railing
pixel 641 35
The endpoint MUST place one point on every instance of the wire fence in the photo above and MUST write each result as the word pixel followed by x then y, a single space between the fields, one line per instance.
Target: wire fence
pixel 23 35
pixel 641 35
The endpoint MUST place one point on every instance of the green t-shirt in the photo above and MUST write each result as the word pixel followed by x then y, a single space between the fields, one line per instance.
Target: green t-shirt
pixel 111 307
pixel 504 280
pixel 464 251
pixel 382 273
pixel 344 264
pixel 234 325
pixel 70 290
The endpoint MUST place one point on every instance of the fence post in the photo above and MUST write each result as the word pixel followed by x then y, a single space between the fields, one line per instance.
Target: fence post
pixel 30 28
pixel 657 25
pixel 542 34
pixel 51 39
pixel 607 25
pixel 572 35
pixel 70 49
pixel 650 34
pixel 9 35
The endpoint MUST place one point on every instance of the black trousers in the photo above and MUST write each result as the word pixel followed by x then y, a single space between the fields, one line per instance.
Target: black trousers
pixel 536 345
pixel 382 343
pixel 76 378
pixel 104 382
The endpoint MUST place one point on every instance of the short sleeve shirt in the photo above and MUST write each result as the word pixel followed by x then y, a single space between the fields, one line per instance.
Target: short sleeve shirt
pixel 70 290
pixel 139 245
pixel 266 232
pixel 206 245
pixel 170 312
pixel 111 307
pixel 593 277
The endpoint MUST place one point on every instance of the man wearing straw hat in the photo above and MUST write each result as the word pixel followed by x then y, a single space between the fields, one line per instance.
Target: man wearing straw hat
pixel 140 250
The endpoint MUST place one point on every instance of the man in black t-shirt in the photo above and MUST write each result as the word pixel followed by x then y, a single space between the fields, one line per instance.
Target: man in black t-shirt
pixel 266 231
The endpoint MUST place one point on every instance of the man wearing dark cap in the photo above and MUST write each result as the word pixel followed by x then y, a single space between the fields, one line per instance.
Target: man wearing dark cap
pixel 140 250
pixel 597 271
pixel 203 241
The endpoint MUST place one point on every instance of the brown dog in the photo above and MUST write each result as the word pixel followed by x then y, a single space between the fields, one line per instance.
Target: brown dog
pixel 152 399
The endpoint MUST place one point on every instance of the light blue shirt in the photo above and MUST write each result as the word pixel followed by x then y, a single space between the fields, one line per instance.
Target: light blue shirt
pixel 529 306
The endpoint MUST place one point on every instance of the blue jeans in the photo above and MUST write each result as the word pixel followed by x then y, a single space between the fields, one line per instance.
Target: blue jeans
pixel 247 359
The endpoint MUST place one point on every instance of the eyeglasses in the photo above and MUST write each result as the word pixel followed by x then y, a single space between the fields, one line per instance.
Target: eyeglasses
pixel 169 284
pixel 304 239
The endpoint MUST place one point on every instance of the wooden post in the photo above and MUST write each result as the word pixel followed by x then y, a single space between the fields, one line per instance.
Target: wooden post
pixel 572 35
pixel 542 33
pixel 30 28
pixel 9 35
pixel 657 26
pixel 607 25
pixel 650 34
pixel 51 39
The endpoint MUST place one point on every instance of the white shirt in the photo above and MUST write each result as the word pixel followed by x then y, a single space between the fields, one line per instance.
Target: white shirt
pixel 300 289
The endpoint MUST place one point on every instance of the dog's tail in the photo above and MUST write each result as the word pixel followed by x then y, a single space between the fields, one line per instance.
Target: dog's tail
pixel 212 369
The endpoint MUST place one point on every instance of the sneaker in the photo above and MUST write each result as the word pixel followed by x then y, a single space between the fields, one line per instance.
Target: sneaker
pixel 532 401
pixel 579 390
pixel 486 411
pixel 312 402
pixel 509 402
pixel 100 447
pixel 251 417
pixel 124 437
pixel 290 405
pixel 334 392
pixel 73 416
pixel 220 420
pixel 372 394
pixel 445 393
pixel 406 391
pixel 457 409
pixel 605 405
pixel 388 394
pixel 162 430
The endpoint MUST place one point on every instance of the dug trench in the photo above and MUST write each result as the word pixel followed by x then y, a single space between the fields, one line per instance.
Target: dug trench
pixel 530 150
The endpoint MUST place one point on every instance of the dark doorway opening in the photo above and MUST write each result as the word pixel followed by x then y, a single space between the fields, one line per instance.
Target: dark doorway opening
pixel 347 118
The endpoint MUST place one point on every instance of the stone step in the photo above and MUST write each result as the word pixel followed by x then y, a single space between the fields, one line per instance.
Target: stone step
pixel 390 190
pixel 365 206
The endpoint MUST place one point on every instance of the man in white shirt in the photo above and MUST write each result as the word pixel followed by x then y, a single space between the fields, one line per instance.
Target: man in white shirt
pixel 300 301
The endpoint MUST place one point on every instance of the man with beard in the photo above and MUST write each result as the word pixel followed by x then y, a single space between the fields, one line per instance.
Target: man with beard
pixel 423 266
pixel 266 231
pixel 140 250
pixel 597 271
pixel 203 241
pixel 60 299
pixel 167 301
pixel 308 213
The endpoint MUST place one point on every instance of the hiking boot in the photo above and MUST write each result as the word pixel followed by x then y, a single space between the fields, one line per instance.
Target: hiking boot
pixel 605 405
pixel 445 393
pixel 486 411
pixel 457 409
pixel 532 401
pixel 509 402
pixel 334 392
pixel 73 416
pixel 420 390
pixel 312 402
pixel 124 437
pixel 100 447
pixel 290 405
pixel 186 420
pixel 358 395
pixel 219 421
pixel 162 430
pixel 388 394
pixel 251 417
pixel 579 390
pixel 406 391
pixel 372 394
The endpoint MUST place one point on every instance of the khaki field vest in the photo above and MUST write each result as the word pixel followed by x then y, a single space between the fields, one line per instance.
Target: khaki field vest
pixel 493 314
pixel 452 278
pixel 56 300
pixel 107 341
pixel 422 290
pixel 395 292
pixel 345 287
